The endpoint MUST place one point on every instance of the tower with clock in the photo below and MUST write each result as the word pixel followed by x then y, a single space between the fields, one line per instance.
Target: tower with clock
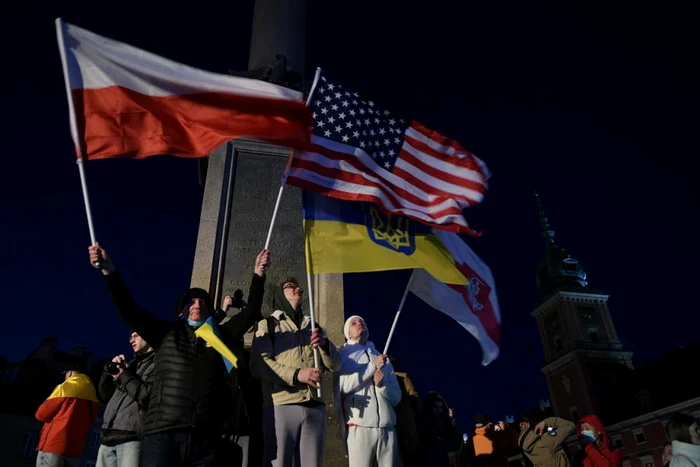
pixel 584 359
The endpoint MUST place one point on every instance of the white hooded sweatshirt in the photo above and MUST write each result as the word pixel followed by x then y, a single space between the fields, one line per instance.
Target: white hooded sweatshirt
pixel 364 403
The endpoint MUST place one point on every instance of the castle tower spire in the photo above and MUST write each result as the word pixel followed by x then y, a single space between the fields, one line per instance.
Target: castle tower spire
pixel 558 270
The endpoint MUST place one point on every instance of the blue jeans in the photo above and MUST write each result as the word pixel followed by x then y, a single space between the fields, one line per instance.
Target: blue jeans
pixel 49 459
pixel 121 455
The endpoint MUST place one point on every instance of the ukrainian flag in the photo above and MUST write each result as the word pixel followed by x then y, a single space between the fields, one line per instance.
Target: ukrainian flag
pixel 351 236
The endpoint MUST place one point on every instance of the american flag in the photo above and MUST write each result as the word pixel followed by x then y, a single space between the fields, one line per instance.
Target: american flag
pixel 360 152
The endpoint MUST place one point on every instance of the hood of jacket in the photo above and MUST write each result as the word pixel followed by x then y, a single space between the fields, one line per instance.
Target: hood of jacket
pixel 595 422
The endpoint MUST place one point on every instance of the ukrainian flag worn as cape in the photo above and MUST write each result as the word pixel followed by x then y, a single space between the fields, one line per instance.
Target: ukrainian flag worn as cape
pixel 351 236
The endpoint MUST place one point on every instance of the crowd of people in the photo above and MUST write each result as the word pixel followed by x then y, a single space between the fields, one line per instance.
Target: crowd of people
pixel 191 396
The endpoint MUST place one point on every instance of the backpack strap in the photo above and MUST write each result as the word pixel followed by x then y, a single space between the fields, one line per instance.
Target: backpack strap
pixel 271 331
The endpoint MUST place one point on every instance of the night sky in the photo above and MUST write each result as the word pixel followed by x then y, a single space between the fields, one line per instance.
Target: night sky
pixel 595 107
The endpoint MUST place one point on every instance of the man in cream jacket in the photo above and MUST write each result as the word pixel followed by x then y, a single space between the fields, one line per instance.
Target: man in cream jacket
pixel 370 391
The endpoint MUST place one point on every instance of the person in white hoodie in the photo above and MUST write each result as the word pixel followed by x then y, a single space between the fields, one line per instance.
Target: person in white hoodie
pixel 370 391
pixel 684 433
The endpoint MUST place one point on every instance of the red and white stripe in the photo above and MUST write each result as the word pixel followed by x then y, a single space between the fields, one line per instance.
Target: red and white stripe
pixel 432 181
pixel 126 102
pixel 475 305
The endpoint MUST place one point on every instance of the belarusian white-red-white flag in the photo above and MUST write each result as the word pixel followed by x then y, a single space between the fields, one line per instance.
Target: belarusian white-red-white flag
pixel 126 102
pixel 474 306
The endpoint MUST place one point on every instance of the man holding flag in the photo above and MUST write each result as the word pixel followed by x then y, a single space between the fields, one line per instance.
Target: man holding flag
pixel 189 398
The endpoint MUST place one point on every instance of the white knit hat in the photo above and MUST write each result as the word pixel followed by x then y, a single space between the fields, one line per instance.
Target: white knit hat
pixel 346 328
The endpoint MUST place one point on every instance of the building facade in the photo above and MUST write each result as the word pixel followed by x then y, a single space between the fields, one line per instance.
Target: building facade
pixel 589 370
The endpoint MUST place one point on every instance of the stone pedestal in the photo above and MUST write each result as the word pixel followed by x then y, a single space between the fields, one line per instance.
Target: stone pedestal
pixel 243 179
pixel 241 184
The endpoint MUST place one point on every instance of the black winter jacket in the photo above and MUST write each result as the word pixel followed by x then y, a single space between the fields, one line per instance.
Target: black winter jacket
pixel 189 388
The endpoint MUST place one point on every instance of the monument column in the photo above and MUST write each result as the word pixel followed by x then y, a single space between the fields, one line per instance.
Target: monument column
pixel 279 27
pixel 241 181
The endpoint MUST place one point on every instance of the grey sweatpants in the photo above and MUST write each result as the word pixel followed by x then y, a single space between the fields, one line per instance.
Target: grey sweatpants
pixel 294 431
pixel 373 446
pixel 49 459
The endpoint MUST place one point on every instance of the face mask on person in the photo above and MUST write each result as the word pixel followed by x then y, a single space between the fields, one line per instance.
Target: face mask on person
pixel 588 434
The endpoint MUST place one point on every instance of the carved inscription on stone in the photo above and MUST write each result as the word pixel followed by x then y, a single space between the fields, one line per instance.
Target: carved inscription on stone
pixel 255 191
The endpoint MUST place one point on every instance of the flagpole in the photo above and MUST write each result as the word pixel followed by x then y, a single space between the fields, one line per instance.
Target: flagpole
pixel 86 198
pixel 307 255
pixel 74 127
pixel 398 313
pixel 283 183
pixel 313 322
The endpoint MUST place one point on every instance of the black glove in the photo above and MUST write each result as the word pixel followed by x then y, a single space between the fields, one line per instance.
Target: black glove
pixel 584 441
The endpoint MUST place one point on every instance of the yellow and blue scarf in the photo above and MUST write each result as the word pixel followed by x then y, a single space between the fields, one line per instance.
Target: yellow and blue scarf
pixel 209 331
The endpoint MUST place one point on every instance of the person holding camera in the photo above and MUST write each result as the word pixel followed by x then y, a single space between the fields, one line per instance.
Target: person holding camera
pixel 542 439
pixel 124 384
pixel 190 399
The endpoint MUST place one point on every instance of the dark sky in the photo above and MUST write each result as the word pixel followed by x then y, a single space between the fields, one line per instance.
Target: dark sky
pixel 595 107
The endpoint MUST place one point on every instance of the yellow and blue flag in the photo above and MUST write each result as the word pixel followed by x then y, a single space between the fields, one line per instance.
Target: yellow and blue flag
pixel 352 236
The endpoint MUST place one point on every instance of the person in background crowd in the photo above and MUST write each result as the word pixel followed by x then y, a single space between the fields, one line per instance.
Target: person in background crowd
pixel 598 450
pixel 407 412
pixel 438 431
pixel 667 454
pixel 684 432
pixel 68 415
pixel 190 399
pixel 369 391
pixel 541 439
pixel 294 417
pixel 488 446
pixel 124 386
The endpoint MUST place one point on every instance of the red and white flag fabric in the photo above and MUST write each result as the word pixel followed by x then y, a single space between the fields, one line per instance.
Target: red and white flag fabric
pixel 474 306
pixel 360 152
pixel 126 102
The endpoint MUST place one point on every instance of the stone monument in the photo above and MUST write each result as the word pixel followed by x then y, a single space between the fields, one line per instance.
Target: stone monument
pixel 242 179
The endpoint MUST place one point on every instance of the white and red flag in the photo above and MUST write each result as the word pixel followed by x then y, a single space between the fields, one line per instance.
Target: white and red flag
pixel 361 152
pixel 475 305
pixel 127 102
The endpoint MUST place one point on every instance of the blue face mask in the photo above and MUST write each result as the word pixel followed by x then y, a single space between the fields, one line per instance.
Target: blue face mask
pixel 195 323
pixel 588 434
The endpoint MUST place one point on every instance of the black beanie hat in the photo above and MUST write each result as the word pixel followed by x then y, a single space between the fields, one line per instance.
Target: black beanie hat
pixel 481 419
pixel 193 293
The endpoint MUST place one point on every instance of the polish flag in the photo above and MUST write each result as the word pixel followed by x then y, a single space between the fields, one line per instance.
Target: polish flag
pixel 126 102
pixel 475 305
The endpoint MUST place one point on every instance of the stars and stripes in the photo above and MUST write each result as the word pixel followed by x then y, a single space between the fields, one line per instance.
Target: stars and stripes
pixel 360 152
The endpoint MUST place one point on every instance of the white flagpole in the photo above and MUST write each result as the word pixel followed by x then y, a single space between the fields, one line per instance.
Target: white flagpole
pixel 398 313
pixel 317 77
pixel 313 321
pixel 307 255
pixel 74 126
pixel 86 198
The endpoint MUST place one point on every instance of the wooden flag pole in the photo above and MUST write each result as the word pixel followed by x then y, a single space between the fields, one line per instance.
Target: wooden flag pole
pixel 317 77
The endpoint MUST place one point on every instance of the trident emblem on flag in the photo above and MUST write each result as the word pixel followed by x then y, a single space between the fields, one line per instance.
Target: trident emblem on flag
pixel 390 231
